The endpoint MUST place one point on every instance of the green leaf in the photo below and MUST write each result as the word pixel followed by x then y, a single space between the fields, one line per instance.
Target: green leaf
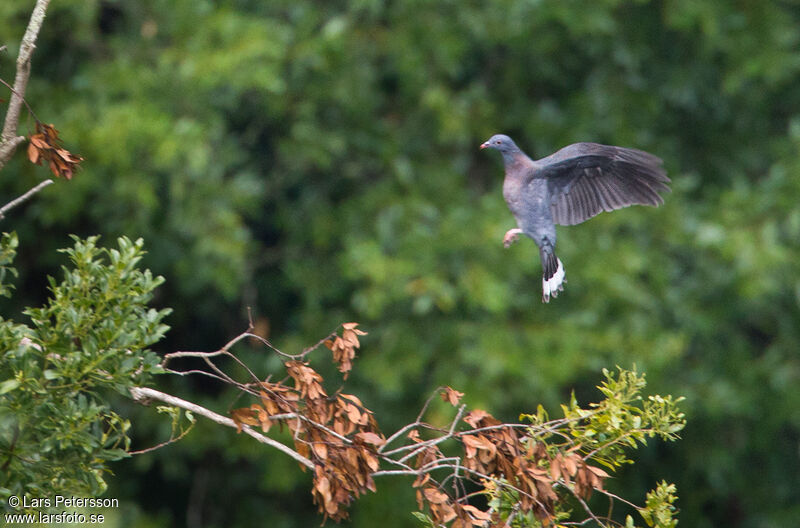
pixel 9 385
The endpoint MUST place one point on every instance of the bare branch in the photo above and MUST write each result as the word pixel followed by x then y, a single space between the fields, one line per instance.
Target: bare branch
pixel 142 394
pixel 421 446
pixel 9 140
pixel 195 371
pixel 398 433
pixel 12 90
pixel 224 351
pixel 417 423
pixel 614 497
pixel 13 203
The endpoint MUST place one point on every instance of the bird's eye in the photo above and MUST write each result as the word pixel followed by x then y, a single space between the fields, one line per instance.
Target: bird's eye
pixel 496 142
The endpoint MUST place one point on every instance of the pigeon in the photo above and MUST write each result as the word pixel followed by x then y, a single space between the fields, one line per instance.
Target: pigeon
pixel 568 187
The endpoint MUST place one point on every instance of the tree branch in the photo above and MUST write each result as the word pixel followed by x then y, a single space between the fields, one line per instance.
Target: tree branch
pixel 13 203
pixel 9 140
pixel 142 394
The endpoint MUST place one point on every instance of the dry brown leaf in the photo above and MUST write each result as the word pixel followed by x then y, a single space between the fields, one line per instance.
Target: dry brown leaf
pixel 33 153
pixel 352 326
pixel 243 416
pixel 435 496
pixel 320 449
pixel 471 445
pixel 473 418
pixel 597 471
pixel 323 487
pixel 451 395
pixel 369 437
pixel 353 414
pixel 444 513
pixel 476 513
pixel 372 462
pixel 570 464
pixel 555 468
pixel 353 399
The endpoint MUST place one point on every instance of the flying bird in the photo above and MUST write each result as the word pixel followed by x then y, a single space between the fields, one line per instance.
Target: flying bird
pixel 570 186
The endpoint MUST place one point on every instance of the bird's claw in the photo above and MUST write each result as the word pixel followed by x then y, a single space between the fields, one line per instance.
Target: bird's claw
pixel 511 236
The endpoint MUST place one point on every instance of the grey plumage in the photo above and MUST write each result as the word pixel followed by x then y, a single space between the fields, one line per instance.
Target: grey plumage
pixel 570 186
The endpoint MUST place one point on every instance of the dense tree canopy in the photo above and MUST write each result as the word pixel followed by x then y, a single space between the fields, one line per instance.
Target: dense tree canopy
pixel 318 162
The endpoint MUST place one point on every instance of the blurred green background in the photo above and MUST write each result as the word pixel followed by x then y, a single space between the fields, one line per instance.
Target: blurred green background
pixel 318 162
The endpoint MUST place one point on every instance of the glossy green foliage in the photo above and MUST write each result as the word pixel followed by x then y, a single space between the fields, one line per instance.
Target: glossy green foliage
pixel 623 419
pixel 58 430
pixel 659 511
pixel 319 163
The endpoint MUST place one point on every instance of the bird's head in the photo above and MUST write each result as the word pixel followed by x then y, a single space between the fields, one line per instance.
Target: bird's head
pixel 500 142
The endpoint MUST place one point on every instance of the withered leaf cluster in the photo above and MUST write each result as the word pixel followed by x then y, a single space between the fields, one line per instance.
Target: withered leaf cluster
pixel 45 146
pixel 344 347
pixel 505 452
pixel 442 508
pixel 337 433
pixel 498 452
pixel 501 452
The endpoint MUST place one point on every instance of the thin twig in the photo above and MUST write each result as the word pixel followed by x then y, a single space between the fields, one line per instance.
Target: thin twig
pixel 583 504
pixel 397 434
pixel 617 440
pixel 162 444
pixel 273 348
pixel 312 348
pixel 194 371
pixel 225 350
pixel 173 355
pixel 428 402
pixel 13 203
pixel 617 497
pixel 417 423
pixel 581 523
pixel 421 446
pixel 25 102
pixel 514 513
pixel 289 416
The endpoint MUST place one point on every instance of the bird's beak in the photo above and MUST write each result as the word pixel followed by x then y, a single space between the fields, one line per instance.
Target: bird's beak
pixel 485 145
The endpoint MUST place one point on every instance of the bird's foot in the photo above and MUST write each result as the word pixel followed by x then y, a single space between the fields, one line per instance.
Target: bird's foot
pixel 511 236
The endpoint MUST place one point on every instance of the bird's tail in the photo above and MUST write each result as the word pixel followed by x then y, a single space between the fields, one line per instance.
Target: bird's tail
pixel 552 274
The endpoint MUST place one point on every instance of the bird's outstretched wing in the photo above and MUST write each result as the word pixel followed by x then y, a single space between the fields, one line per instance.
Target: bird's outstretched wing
pixel 586 179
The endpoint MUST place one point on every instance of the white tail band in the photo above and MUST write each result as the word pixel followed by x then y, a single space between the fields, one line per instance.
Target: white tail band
pixel 553 285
